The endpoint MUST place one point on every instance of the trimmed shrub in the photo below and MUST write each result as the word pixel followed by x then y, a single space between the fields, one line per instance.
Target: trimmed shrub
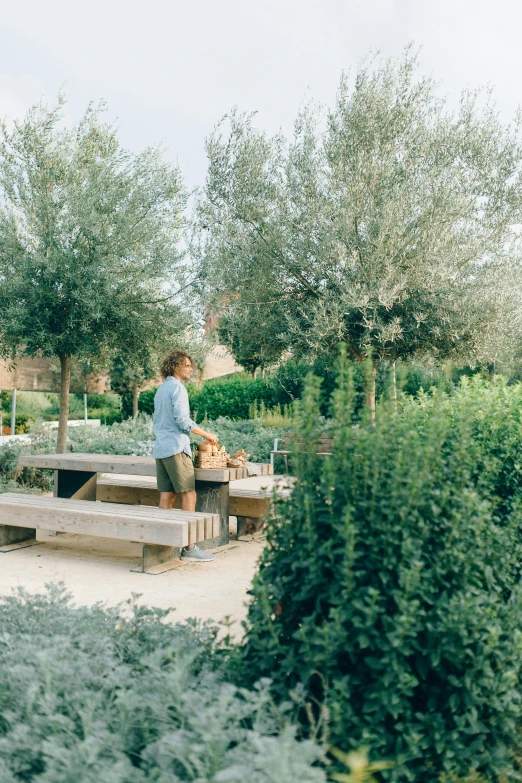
pixel 120 696
pixel 229 398
pixel 390 585
pixel 232 396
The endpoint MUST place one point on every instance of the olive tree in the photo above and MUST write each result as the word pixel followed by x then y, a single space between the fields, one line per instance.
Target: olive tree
pixel 130 371
pixel 89 233
pixel 387 223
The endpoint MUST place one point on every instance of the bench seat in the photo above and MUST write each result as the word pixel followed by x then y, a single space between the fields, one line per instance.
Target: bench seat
pixel 161 532
pixel 142 490
pixel 252 497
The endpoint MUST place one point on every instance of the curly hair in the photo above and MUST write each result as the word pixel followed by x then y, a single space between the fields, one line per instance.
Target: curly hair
pixel 172 360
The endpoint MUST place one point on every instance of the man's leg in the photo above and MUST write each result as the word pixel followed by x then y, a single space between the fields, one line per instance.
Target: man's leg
pixel 167 500
pixel 180 472
pixel 188 501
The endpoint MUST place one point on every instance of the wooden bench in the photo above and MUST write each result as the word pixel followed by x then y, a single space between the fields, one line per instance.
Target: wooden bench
pixel 249 499
pixel 162 533
pixel 324 447
pixel 142 490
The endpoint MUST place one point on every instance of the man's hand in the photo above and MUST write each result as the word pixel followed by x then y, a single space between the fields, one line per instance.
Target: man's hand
pixel 204 434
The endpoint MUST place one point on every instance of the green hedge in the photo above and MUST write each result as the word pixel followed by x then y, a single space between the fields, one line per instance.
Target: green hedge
pixel 391 584
pixel 233 395
pixel 230 397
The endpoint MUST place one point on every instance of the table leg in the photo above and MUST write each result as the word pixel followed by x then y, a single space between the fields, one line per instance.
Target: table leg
pixel 213 497
pixel 77 484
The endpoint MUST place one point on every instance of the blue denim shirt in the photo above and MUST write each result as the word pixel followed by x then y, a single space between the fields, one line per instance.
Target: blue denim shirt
pixel 172 422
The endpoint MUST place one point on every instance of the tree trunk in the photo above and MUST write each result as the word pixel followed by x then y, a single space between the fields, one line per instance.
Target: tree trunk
pixel 394 387
pixel 65 383
pixel 135 398
pixel 369 392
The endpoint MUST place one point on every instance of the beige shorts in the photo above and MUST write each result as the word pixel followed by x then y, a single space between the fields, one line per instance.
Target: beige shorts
pixel 176 474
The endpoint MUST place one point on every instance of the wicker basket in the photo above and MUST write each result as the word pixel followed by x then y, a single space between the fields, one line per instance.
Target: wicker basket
pixel 209 461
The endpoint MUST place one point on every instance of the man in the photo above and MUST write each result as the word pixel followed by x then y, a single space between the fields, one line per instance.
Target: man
pixel 172 425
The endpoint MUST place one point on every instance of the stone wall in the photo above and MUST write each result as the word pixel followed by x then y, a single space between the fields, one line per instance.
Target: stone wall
pixel 44 375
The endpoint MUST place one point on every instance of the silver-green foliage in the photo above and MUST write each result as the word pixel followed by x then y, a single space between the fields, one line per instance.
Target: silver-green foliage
pixel 121 696
pixel 389 224
pixel 132 437
pixel 88 234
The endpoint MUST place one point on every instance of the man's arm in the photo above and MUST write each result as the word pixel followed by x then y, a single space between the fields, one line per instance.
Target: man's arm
pixel 181 413
pixel 204 434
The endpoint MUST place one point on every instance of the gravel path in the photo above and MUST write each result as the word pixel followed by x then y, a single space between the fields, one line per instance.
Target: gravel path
pixel 95 569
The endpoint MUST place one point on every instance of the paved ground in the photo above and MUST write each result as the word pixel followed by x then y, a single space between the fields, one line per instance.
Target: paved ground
pixel 95 569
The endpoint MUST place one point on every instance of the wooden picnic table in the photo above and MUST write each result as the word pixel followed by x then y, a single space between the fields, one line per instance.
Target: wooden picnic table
pixel 75 476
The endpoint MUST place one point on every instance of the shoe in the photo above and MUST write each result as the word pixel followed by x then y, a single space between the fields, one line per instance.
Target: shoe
pixel 196 555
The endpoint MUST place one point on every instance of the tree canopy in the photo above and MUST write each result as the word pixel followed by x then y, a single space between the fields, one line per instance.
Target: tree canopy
pixel 89 237
pixel 389 225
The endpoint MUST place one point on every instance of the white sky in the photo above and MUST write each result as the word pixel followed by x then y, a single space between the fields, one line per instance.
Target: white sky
pixel 170 69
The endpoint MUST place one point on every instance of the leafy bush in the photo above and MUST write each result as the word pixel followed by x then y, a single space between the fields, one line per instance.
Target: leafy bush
pixel 23 422
pixel 390 585
pixel 231 398
pixel 12 477
pixel 492 411
pixel 251 435
pixel 113 696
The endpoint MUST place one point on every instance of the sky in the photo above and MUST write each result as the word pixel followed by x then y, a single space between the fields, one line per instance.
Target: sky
pixel 170 70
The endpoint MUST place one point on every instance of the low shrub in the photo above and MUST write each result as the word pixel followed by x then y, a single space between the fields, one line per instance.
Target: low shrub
pixel 12 477
pixel 390 585
pixel 23 423
pixel 121 696
pixel 233 396
pixel 288 382
pixel 129 437
pixel 252 436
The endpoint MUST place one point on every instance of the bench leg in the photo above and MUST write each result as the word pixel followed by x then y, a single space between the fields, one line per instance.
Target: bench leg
pixel 249 526
pixel 12 538
pixel 156 559
pixel 213 498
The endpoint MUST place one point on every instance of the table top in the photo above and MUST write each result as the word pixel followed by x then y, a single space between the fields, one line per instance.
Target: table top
pixel 111 463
